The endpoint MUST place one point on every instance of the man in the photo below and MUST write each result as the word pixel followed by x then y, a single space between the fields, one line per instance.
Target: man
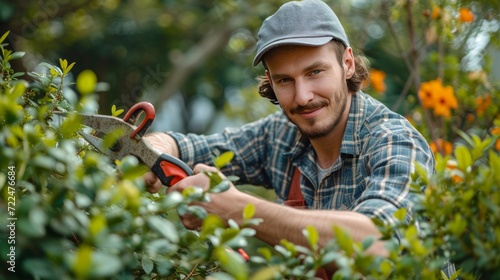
pixel 337 155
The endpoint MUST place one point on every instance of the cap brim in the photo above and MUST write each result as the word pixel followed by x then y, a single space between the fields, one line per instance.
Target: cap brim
pixel 308 41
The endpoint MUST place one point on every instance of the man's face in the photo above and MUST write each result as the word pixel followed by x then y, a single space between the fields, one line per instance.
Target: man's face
pixel 310 85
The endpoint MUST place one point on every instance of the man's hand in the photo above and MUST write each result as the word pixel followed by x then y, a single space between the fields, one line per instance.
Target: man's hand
pixel 199 180
pixel 164 143
pixel 221 204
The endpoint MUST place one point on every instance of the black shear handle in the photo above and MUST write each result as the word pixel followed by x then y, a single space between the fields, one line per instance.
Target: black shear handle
pixel 170 170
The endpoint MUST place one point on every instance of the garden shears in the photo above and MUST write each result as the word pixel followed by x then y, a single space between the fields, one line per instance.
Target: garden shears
pixel 132 127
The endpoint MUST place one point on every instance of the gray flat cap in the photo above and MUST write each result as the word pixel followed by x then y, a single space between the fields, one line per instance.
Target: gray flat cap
pixel 307 23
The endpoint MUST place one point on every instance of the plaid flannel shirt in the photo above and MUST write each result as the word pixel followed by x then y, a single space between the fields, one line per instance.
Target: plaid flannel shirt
pixel 372 175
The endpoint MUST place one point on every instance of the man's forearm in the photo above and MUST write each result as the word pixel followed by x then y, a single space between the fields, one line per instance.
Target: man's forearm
pixel 283 222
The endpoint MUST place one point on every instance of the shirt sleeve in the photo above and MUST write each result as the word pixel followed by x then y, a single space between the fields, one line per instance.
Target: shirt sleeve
pixel 250 144
pixel 390 161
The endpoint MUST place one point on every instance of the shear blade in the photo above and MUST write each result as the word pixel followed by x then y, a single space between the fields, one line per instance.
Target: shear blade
pixel 95 141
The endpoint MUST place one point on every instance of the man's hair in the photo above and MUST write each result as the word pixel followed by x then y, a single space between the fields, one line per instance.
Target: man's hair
pixel 353 84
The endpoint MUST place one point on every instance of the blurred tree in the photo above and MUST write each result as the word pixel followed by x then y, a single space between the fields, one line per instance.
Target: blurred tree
pixel 144 49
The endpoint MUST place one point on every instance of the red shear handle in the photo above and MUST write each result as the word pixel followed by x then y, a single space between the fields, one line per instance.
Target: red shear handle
pixel 170 170
pixel 132 117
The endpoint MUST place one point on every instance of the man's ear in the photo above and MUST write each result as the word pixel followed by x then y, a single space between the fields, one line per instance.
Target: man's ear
pixel 348 63
pixel 268 75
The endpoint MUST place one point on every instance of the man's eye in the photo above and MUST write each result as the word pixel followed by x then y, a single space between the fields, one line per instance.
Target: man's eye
pixel 284 80
pixel 315 72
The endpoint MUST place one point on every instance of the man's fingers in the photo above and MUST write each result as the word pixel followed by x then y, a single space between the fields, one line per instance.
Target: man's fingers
pixel 153 184
pixel 191 222
pixel 204 168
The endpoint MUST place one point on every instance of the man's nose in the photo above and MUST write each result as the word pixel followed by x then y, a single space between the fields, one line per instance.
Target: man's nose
pixel 303 93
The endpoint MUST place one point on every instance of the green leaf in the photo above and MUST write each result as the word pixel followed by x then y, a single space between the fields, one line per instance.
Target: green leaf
pixel 220 276
pixel 231 262
pixel 97 224
pixel 344 240
pixel 232 178
pixel 163 267
pixel 385 268
pixel 65 67
pixel 147 264
pixel 104 265
pixel 457 225
pixel 312 236
pixel 164 227
pixel 17 74
pixel 86 82
pixel 265 252
pixel 223 186
pixel 466 137
pixel 252 222
pixel 267 273
pixel 171 200
pixel 116 113
pixel 4 36
pixel 215 178
pixel 400 214
pixel 63 63
pixel 197 211
pixel 112 138
pixel 329 257
pixel 494 163
pixel 82 261
pixel 210 223
pixel 248 211
pixel 282 250
pixel 134 172
pixel 223 159
pixel 229 234
pixel 464 158
pixel 18 90
pixel 233 224
pixel 367 242
pixel 71 125
pixel 479 147
pixel 248 232
pixel 17 55
pixel 53 72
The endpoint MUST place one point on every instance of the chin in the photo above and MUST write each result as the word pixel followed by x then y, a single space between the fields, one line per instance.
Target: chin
pixel 317 132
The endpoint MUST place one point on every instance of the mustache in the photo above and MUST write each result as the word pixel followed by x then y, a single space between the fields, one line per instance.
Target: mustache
pixel 308 107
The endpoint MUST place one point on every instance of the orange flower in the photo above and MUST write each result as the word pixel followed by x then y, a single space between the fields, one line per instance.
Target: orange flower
pixel 446 147
pixel 456 178
pixel 483 103
pixel 434 95
pixel 497 145
pixel 436 12
pixel 426 92
pixel 377 78
pixel 444 101
pixel 456 175
pixel 466 15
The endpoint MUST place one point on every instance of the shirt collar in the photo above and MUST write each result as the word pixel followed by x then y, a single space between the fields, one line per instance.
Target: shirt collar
pixel 351 143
